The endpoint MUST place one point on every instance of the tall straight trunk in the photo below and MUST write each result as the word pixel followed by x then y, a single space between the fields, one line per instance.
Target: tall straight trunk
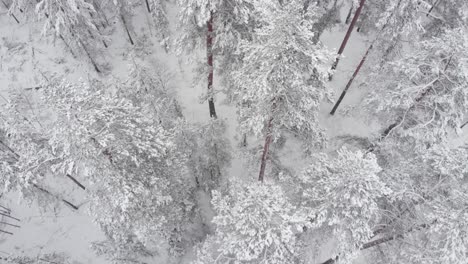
pixel 266 147
pixel 347 36
pixel 124 22
pixel 358 68
pixel 148 6
pixel 209 53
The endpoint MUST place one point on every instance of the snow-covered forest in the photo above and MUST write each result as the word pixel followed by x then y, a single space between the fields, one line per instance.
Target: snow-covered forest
pixel 233 131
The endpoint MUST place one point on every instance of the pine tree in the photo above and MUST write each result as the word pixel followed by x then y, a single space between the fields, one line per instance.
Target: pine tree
pixel 255 223
pixel 343 195
pixel 429 99
pixel 282 76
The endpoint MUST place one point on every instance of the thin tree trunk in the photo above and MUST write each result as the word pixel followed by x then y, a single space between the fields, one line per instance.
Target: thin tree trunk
pixel 348 34
pixel 5 208
pixel 5 212
pixel 6 232
pixel 362 62
pixel 67 45
pixel 10 13
pixel 148 6
pixel 244 140
pixel 464 124
pixel 266 147
pixel 6 223
pixel 93 62
pixel 348 17
pixel 209 51
pixel 383 240
pixel 9 216
pixel 16 155
pixel 76 181
pixel 49 193
pixel 432 7
pixel 124 22
pixel 98 9
pixel 418 99
pixel 358 68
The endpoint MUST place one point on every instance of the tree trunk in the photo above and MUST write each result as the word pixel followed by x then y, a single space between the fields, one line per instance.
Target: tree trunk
pixel 209 52
pixel 9 216
pixel 384 240
pixel 5 208
pixel 76 181
pixel 124 22
pixel 244 140
pixel 348 34
pixel 358 68
pixel 348 17
pixel 8 224
pixel 148 6
pixel 266 147
pixel 10 13
pixel 67 45
pixel 49 193
pixel 93 62
pixel 6 232
pixel 464 124
pixel 97 7
pixel 432 7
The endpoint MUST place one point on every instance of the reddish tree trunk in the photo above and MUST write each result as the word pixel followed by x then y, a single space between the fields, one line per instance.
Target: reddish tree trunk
pixel 358 68
pixel 266 147
pixel 209 53
pixel 348 35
